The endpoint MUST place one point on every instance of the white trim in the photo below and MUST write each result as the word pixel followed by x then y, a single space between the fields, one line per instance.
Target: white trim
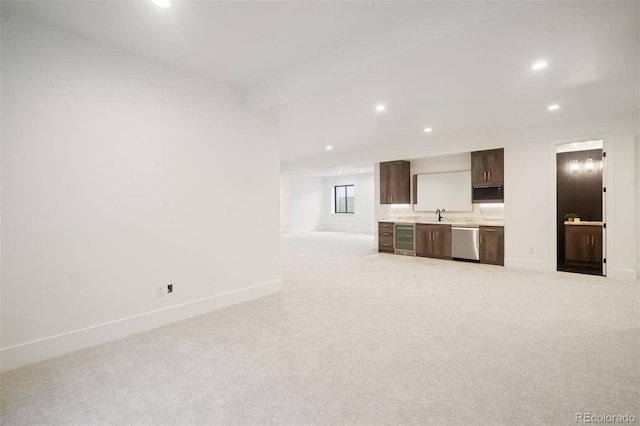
pixel 535 265
pixel 48 347
pixel 622 274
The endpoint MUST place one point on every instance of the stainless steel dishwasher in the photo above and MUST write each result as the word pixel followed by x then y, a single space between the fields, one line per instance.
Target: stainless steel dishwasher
pixel 465 242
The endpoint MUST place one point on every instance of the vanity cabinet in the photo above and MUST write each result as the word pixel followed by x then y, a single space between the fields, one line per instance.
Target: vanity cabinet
pixel 492 245
pixel 583 244
pixel 395 182
pixel 385 237
pixel 487 167
pixel 433 241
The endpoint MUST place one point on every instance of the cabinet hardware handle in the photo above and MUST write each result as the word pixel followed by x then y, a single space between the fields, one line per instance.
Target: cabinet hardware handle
pixel 480 239
pixel 391 199
pixel 489 173
pixel 587 239
pixel 490 230
pixel 385 244
pixel 484 176
pixel 593 240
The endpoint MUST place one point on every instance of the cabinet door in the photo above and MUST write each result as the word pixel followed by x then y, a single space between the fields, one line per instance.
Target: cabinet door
pixel 492 245
pixel 583 243
pixel 487 167
pixel 576 245
pixel 442 241
pixel 395 182
pixel 494 161
pixel 433 241
pixel 423 240
pixel 478 168
pixel 595 255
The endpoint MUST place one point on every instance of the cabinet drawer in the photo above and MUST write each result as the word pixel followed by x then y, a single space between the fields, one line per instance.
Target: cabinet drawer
pixel 385 239
pixel 386 245
pixel 385 227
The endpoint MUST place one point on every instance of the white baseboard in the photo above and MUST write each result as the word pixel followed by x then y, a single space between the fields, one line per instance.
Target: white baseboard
pixel 349 230
pixel 622 274
pixel 535 265
pixel 49 347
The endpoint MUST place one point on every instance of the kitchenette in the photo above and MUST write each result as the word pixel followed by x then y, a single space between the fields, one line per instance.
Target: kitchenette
pixel 446 208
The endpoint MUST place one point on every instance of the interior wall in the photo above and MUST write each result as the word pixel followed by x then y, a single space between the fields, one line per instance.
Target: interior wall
pixel 119 175
pixel 285 203
pixel 307 203
pixel 363 219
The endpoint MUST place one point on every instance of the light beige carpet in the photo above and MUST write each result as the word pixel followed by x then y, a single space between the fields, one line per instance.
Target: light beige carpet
pixel 362 338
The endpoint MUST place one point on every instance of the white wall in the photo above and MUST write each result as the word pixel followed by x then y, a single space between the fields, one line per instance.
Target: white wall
pixel 302 203
pixel 120 174
pixel 363 219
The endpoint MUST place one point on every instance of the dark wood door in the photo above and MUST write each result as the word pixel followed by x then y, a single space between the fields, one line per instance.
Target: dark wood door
pixel 492 245
pixel 395 182
pixel 579 190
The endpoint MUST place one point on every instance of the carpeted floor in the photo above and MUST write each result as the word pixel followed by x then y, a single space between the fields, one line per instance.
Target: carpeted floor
pixel 362 338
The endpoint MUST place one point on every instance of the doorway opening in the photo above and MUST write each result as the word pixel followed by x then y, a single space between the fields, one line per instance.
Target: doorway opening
pixel 580 214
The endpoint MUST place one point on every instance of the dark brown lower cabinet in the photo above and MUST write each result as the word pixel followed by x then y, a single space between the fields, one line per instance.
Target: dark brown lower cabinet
pixel 583 244
pixel 492 245
pixel 385 236
pixel 433 241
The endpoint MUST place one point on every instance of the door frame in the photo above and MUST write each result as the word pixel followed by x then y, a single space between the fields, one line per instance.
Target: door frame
pixel 607 146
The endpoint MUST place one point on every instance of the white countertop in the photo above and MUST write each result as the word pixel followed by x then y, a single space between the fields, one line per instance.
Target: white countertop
pixel 584 222
pixel 474 222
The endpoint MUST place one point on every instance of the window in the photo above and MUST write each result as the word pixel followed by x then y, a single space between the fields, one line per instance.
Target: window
pixel 343 199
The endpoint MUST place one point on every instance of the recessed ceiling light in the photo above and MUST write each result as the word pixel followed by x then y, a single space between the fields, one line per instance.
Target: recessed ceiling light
pixel 361 171
pixel 553 107
pixel 428 130
pixel 381 107
pixel 539 65
pixel 161 3
pixel 329 147
pixel 339 173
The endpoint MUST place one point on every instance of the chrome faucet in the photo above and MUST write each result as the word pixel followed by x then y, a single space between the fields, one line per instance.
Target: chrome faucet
pixel 440 211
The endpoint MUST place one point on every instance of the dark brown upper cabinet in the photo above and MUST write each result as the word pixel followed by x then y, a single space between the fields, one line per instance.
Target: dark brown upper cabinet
pixel 487 167
pixel 395 182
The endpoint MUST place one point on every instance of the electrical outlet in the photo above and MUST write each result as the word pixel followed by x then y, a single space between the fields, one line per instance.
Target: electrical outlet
pixel 170 288
pixel 159 291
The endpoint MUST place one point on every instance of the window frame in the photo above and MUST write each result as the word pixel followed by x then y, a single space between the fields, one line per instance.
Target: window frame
pixel 346 199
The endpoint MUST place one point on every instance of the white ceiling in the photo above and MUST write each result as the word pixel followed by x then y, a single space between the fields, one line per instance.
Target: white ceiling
pixel 458 67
